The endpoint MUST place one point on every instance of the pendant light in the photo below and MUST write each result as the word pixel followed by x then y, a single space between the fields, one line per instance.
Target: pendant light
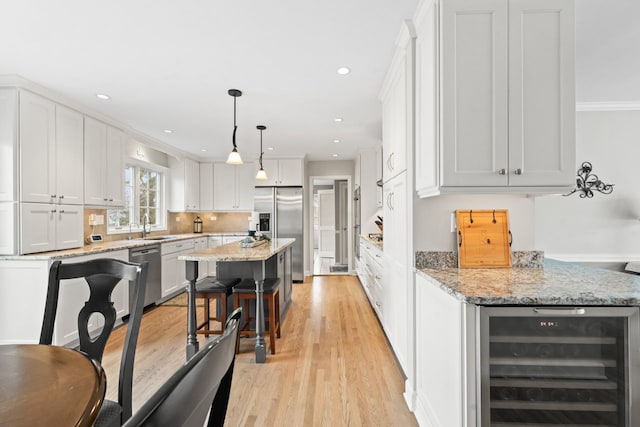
pixel 234 157
pixel 261 175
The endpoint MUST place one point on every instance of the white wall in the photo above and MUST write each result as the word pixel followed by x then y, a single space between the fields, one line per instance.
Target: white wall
pixel 432 219
pixel 606 227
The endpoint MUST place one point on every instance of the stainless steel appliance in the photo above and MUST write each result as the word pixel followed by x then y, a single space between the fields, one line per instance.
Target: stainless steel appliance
pixel 560 366
pixel 151 254
pixel 281 216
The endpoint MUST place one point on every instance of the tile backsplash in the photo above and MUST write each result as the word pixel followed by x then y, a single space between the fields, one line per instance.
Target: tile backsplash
pixel 177 223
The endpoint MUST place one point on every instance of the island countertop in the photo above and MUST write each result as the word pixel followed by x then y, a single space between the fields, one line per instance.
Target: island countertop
pixel 234 252
pixel 557 283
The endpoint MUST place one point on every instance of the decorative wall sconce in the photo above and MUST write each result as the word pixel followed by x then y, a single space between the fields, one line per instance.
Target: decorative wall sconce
pixel 587 182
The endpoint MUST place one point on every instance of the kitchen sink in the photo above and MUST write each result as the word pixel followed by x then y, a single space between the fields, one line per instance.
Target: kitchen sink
pixel 158 238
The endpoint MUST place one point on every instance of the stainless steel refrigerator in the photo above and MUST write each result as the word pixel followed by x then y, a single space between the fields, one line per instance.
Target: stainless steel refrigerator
pixel 281 216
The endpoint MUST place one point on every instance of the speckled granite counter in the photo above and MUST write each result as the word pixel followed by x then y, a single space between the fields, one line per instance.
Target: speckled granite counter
pixel 233 252
pixel 557 283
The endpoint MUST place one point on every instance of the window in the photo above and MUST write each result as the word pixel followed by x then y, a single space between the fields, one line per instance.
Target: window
pixel 143 195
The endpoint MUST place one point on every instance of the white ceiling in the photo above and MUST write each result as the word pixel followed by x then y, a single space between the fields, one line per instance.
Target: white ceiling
pixel 168 65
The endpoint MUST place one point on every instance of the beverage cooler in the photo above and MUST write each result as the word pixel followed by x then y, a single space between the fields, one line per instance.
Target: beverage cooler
pixel 553 366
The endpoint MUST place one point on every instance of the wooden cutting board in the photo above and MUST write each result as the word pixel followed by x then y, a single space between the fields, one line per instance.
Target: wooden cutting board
pixel 483 238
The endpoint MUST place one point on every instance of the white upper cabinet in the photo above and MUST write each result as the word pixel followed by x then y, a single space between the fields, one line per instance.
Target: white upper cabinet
pixel 51 146
pixel 281 172
pixel 396 97
pixel 233 187
pixel 206 186
pixel 185 185
pixel 104 164
pixel 8 145
pixel 495 96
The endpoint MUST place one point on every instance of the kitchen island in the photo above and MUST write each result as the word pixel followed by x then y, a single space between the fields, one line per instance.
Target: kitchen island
pixel 555 344
pixel 233 260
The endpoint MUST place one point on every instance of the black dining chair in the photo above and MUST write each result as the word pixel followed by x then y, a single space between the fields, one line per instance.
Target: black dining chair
pixel 198 389
pixel 102 275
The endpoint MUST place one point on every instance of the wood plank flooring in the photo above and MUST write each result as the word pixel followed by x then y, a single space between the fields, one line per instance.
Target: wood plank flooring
pixel 334 366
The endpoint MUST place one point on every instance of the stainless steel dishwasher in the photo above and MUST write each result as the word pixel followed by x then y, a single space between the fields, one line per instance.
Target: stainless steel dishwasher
pixel 152 255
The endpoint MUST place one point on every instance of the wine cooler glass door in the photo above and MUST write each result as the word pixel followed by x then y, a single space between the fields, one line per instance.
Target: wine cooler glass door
pixel 559 366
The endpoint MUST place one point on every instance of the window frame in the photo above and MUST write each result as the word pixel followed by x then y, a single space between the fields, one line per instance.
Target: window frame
pixel 136 222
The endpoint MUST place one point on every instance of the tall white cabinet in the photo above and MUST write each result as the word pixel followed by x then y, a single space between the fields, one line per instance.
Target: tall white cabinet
pixel 185 185
pixel 233 187
pixel 495 96
pixel 104 164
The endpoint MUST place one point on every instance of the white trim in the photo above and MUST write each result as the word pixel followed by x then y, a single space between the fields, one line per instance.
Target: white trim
pixel 594 257
pixel 608 106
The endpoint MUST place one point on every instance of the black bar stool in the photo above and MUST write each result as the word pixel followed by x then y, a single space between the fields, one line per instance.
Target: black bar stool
pixel 246 291
pixel 214 290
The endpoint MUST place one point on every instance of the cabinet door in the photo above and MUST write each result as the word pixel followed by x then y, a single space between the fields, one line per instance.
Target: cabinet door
pixel 95 164
pixel 169 278
pixel 224 187
pixel 290 172
pixel 8 228
pixel 206 186
pixel 37 149
pixel 245 175
pixel 69 159
pixel 474 93
pixel 69 226
pixel 38 228
pixel 271 168
pixel 541 93
pixel 8 145
pixel 114 169
pixel 192 184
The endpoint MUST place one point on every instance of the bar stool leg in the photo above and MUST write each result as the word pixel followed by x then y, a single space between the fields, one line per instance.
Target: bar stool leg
pixel 206 316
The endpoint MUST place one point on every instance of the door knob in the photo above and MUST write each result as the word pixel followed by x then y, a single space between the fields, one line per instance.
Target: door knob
pixel 502 171
pixel 518 171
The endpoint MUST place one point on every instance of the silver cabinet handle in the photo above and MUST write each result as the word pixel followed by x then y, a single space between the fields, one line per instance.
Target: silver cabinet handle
pixel 53 196
pixel 53 211
pixel 106 199
pixel 518 171
pixel 559 310
pixel 60 197
pixel 61 211
pixel 502 171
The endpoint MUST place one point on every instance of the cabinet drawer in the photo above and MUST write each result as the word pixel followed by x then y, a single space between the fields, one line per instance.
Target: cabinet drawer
pixel 179 246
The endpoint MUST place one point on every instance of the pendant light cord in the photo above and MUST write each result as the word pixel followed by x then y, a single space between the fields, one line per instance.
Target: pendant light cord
pixel 235 127
pixel 261 152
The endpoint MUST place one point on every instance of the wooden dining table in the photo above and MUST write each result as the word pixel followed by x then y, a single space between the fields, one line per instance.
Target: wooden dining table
pixel 49 385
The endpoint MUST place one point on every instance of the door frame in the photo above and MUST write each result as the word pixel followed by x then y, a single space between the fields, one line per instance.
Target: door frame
pixel 320 251
pixel 349 180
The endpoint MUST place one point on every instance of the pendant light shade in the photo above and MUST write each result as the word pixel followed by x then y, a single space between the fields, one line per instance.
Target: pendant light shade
pixel 261 175
pixel 234 157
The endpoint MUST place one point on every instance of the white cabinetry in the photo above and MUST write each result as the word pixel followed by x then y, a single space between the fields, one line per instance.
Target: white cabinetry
pixel 203 266
pixel 397 99
pixel 75 292
pixel 506 117
pixel 8 144
pixel 370 272
pixel 233 187
pixel 50 152
pixel 282 172
pixel 173 271
pixel 104 164
pixel 370 193
pixel 48 227
pixel 206 186
pixel 445 383
pixel 185 185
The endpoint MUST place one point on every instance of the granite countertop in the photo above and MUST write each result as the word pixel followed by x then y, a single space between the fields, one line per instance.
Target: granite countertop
pixel 557 283
pixel 116 245
pixel 234 252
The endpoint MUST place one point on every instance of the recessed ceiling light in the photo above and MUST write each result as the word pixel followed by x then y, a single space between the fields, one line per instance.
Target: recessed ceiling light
pixel 103 96
pixel 335 141
pixel 337 119
pixel 343 71
pixel 204 150
pixel 270 148
pixel 167 131
pixel 334 155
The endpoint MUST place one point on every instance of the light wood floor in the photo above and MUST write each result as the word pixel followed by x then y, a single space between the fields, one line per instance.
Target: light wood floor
pixel 333 365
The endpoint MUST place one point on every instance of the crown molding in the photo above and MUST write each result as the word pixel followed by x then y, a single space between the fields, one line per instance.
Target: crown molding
pixel 608 106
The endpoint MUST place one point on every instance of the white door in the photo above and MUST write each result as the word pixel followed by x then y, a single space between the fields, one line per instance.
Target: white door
pixel 342 223
pixel 38 229
pixel 95 163
pixel 69 160
pixel 114 179
pixel 326 223
pixel 224 187
pixel 206 186
pixel 69 226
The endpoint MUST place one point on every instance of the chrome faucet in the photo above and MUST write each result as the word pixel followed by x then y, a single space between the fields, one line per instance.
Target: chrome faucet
pixel 145 219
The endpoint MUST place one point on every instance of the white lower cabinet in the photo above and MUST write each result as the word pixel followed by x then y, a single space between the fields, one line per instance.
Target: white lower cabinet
pixel 49 227
pixel 203 266
pixel 371 274
pixel 445 358
pixel 73 295
pixel 174 271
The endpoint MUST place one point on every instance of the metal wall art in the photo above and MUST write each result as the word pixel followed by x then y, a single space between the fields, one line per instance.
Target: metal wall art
pixel 587 183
